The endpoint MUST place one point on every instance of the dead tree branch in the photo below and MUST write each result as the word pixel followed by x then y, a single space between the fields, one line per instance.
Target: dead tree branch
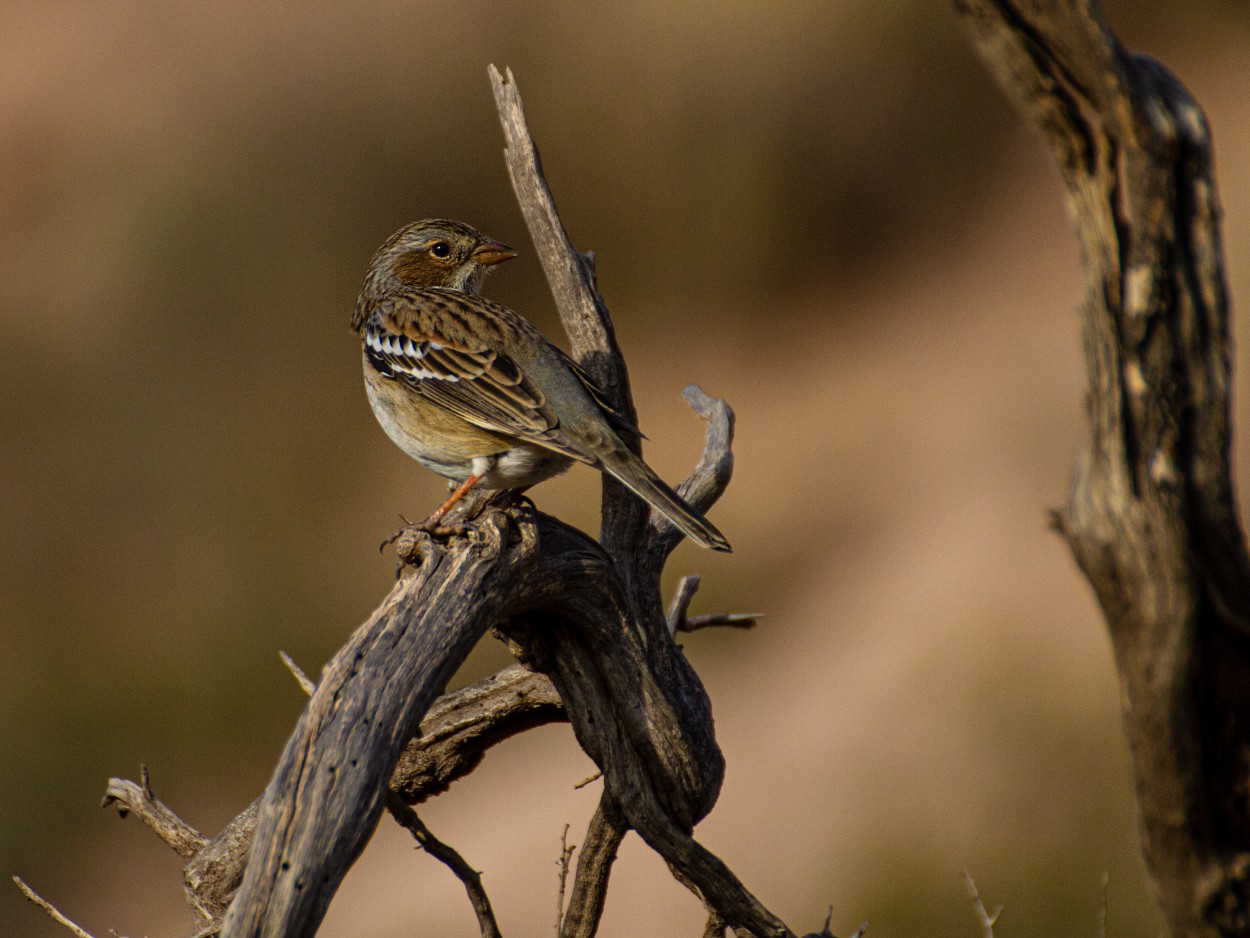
pixel 661 765
pixel 50 910
pixel 470 877
pixel 452 741
pixel 985 918
pixel 1151 519
pixel 586 621
pixel 594 865
pixel 588 624
pixel 330 787
pixel 566 854
pixel 454 737
pixel 127 796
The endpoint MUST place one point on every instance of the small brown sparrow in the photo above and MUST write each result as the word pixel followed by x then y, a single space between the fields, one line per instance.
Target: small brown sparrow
pixel 475 393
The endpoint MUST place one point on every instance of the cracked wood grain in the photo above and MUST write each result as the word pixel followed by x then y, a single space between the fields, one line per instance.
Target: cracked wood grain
pixel 589 626
pixel 1151 518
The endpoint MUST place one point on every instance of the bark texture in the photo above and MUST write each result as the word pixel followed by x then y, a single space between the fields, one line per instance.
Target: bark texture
pixel 596 647
pixel 1151 519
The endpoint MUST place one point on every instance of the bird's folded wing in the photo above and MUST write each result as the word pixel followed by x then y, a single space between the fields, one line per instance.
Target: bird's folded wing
pixel 618 420
pixel 482 386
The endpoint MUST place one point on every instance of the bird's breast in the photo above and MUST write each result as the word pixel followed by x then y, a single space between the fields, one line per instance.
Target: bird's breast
pixel 452 446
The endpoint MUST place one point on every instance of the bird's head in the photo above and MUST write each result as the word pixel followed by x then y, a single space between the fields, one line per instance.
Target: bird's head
pixel 435 252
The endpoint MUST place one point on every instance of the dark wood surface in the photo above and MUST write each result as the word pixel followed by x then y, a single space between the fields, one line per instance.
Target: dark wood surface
pixel 1151 518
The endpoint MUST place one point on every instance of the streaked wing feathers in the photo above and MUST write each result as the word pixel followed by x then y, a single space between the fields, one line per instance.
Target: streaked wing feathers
pixel 482 386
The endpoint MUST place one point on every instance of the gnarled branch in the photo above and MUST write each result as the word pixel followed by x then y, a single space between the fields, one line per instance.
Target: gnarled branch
pixel 1151 517
pixel 636 705
pixel 586 621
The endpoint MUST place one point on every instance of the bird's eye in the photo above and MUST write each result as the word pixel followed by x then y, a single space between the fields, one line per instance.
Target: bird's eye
pixel 440 249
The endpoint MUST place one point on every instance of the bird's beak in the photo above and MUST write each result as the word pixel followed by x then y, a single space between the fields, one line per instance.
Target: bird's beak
pixel 491 252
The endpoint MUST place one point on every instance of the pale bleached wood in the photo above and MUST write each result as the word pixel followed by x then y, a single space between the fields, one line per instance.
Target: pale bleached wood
pixel 584 315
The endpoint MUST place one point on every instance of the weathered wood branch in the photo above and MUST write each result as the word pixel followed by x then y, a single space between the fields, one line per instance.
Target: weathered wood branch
pixel 472 879
pixel 127 796
pixel 462 726
pixel 588 624
pixel 661 765
pixel 453 738
pixel 594 867
pixel 659 762
pixel 584 315
pixel 451 742
pixel 636 705
pixel 1151 519
pixel 50 910
pixel 330 787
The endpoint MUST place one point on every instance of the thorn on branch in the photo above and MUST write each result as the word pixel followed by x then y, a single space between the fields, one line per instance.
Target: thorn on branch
pixel 586 781
pixel 1057 521
pixel 307 685
pixel 825 931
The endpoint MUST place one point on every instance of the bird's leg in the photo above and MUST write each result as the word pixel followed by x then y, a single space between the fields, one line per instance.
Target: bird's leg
pixel 433 524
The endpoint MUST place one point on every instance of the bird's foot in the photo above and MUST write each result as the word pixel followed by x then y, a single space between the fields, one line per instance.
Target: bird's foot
pixel 431 526
pixel 414 539
pixel 510 498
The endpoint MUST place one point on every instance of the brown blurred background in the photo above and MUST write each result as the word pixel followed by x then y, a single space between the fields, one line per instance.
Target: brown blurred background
pixel 822 211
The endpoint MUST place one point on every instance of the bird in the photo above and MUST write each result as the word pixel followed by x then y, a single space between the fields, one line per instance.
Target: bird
pixel 476 393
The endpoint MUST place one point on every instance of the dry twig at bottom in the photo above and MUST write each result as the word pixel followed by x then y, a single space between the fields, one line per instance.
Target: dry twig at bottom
pixel 52 911
pixel 449 856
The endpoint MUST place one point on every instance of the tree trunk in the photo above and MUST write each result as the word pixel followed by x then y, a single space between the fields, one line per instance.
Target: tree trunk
pixel 1151 518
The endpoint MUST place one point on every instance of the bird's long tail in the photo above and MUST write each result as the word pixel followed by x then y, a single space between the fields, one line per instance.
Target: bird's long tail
pixel 637 476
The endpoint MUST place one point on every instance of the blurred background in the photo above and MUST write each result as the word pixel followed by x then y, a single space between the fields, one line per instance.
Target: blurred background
pixel 822 211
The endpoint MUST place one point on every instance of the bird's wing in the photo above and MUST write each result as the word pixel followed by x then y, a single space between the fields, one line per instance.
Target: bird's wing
pixel 618 420
pixel 480 385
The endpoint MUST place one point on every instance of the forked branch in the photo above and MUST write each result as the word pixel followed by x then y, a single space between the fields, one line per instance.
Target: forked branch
pixel 588 624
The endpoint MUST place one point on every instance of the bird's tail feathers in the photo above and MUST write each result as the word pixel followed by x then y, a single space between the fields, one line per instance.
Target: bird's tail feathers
pixel 638 477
